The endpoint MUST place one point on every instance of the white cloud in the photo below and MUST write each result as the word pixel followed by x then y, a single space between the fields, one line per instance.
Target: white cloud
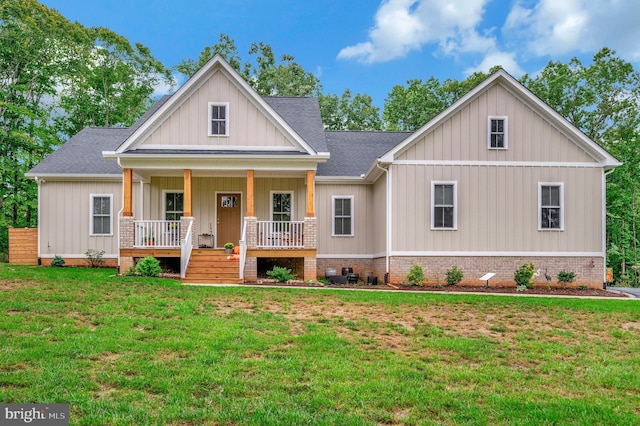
pixel 504 59
pixel 405 25
pixel 552 27
pixel 165 88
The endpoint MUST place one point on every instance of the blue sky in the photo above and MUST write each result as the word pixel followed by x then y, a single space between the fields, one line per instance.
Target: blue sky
pixel 369 46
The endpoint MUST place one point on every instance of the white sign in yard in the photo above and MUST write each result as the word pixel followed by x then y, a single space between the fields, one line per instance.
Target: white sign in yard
pixel 486 277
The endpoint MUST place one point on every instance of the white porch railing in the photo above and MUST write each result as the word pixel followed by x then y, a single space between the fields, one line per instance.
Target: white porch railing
pixel 156 233
pixel 280 235
pixel 243 249
pixel 185 250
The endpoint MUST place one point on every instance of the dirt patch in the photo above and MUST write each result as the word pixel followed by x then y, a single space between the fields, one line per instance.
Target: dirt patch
pixel 6 285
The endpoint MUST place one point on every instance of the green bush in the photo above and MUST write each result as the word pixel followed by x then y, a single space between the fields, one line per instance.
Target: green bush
pixel 57 261
pixel 148 267
pixel 282 275
pixel 415 275
pixel 524 275
pixel 94 258
pixel 454 275
pixel 566 277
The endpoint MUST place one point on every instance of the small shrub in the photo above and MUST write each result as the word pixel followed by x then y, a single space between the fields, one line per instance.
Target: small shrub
pixel 454 275
pixel 280 274
pixel 582 287
pixel 228 246
pixel 131 272
pixel 94 258
pixel 415 275
pixel 566 277
pixel 57 261
pixel 148 267
pixel 524 275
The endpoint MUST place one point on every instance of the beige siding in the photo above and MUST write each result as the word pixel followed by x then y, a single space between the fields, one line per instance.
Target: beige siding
pixel 463 136
pixel 188 124
pixel 497 209
pixel 362 242
pixel 379 229
pixel 64 217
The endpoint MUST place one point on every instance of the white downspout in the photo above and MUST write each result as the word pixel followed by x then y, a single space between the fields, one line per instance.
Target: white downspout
pixel 388 228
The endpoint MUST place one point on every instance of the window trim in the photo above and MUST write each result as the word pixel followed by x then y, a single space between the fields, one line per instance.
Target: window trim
pixel 210 119
pixel 91 214
pixel 455 204
pixel 561 186
pixel 164 200
pixel 333 215
pixel 505 131
pixel 271 194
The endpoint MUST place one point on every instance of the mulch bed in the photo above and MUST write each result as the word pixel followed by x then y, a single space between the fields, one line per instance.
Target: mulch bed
pixel 573 292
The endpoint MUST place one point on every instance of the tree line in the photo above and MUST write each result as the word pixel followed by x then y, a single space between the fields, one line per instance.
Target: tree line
pixel 57 77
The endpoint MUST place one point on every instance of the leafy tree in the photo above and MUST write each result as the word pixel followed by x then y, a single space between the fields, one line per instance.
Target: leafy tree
pixel 349 113
pixel 35 47
pixel 55 78
pixel 113 85
pixel 407 108
pixel 266 75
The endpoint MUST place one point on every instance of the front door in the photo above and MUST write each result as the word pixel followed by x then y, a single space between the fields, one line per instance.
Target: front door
pixel 228 214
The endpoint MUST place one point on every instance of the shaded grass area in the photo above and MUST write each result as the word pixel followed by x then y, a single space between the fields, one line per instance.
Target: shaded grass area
pixel 150 351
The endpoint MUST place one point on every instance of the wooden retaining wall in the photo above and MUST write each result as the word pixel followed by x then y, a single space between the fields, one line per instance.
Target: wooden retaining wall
pixel 23 246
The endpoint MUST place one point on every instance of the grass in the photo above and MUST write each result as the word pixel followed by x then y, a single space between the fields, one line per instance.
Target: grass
pixel 150 351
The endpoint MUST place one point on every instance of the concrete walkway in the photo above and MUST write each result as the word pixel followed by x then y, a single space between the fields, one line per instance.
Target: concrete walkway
pixel 632 291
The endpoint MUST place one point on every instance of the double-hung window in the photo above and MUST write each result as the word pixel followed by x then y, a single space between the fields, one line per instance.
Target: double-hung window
pixel 173 205
pixel 281 206
pixel 444 214
pixel 550 206
pixel 343 216
pixel 218 119
pixel 497 138
pixel 101 214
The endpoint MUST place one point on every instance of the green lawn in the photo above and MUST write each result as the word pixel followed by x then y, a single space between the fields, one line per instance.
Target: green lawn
pixel 146 351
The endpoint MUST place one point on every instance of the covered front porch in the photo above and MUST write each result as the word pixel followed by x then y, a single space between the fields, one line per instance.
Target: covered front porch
pixel 263 213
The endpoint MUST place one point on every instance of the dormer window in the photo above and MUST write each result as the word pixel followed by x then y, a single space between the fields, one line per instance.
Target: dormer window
pixel 218 119
pixel 497 133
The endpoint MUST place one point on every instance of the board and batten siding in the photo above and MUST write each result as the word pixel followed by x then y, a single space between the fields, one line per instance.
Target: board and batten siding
pixel 363 214
pixel 497 209
pixel 379 226
pixel 463 136
pixel 64 219
pixel 189 123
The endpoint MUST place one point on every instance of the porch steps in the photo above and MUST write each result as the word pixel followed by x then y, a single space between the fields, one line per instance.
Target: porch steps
pixel 211 266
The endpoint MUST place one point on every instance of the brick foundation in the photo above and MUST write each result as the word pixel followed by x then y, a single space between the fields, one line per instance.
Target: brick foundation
pixel 75 261
pixel 588 270
pixel 310 269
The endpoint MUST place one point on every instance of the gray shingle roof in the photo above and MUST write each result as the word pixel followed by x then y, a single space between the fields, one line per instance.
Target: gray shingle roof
pixel 303 115
pixel 82 154
pixel 354 152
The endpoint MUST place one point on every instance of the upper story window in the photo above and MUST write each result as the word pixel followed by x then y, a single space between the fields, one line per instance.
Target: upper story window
pixel 173 205
pixel 343 216
pixel 218 119
pixel 101 214
pixel 497 138
pixel 551 206
pixel 444 205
